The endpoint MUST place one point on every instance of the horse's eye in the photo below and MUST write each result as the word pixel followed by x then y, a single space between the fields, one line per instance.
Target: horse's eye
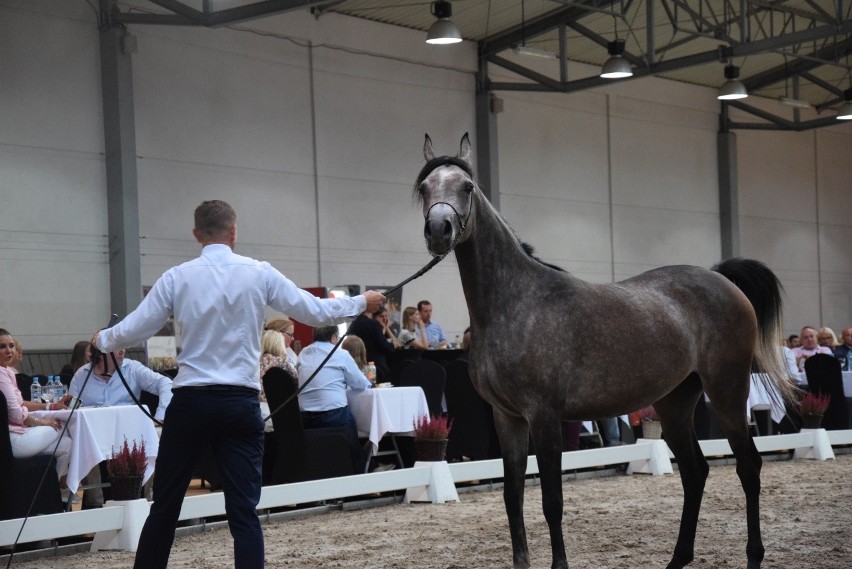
pixel 421 189
pixel 468 186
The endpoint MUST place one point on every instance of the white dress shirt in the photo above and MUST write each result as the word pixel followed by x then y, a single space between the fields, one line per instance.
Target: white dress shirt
pixel 327 390
pixel 217 300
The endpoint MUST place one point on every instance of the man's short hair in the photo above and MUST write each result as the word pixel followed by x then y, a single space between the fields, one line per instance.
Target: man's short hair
pixel 423 303
pixel 214 218
pixel 325 333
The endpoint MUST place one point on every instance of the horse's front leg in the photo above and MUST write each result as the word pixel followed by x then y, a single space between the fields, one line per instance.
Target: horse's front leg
pixel 513 433
pixel 547 438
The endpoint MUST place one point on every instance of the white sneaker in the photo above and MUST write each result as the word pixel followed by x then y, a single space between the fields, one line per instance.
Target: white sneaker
pixel 383 468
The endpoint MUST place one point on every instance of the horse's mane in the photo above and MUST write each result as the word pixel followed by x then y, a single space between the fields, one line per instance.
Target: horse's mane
pixel 465 166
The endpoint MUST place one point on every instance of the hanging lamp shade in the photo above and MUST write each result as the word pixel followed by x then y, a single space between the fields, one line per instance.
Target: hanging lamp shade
pixel 616 67
pixel 733 88
pixel 443 31
pixel 845 113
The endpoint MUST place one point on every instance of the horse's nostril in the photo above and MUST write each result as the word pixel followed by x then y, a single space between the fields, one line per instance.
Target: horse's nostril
pixel 448 228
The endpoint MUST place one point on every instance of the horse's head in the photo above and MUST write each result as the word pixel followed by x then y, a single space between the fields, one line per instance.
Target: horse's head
pixel 445 187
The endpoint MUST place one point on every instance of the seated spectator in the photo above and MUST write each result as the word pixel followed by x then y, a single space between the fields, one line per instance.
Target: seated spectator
pixel 809 347
pixel 81 354
pixel 826 337
pixel 104 387
pixel 793 341
pixel 29 436
pixel 844 350
pixel 273 355
pixel 381 316
pixel 355 346
pixel 434 331
pixel 413 331
pixel 372 334
pixel 286 328
pixel 323 402
pixel 17 356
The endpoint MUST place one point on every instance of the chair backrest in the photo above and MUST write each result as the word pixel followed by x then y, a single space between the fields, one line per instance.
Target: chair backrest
pixel 824 376
pixel 472 434
pixel 431 377
pixel 5 443
pixel 287 424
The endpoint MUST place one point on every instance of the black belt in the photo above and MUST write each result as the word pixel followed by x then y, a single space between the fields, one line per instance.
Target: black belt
pixel 237 388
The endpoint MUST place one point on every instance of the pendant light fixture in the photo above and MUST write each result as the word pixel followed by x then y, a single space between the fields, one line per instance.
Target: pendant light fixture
pixel 733 88
pixel 616 67
pixel 443 31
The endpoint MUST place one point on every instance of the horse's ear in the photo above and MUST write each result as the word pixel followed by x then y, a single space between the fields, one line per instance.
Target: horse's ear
pixel 428 154
pixel 464 148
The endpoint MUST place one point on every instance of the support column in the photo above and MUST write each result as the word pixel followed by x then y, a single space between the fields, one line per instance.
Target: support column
pixel 729 209
pixel 487 107
pixel 120 157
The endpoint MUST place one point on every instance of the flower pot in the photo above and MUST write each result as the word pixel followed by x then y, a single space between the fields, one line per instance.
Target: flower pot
pixel 652 430
pixel 811 421
pixel 126 488
pixel 430 449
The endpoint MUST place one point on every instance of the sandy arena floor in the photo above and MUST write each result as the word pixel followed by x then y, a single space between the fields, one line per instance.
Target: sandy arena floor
pixel 622 522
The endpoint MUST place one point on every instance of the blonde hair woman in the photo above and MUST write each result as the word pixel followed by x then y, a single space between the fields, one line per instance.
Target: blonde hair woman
pixel 286 328
pixel 273 355
pixel 826 337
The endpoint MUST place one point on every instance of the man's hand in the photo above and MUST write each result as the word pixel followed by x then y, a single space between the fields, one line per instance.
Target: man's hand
pixel 95 338
pixel 374 300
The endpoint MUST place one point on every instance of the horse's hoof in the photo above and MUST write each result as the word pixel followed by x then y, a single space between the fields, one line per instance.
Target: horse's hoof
pixel 753 565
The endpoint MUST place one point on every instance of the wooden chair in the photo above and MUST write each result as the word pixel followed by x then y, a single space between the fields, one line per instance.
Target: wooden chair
pixel 20 477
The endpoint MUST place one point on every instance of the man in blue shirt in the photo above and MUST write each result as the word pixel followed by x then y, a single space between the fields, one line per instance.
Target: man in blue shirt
pixel 323 402
pixel 218 302
pixel 104 388
pixel 434 332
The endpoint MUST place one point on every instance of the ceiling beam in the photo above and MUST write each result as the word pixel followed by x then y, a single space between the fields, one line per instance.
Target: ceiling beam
pixel 183 15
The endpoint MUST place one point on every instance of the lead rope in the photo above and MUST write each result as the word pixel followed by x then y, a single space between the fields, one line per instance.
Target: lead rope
pixel 435 260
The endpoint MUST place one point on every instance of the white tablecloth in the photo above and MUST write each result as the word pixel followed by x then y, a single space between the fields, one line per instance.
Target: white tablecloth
pixel 387 410
pixel 96 431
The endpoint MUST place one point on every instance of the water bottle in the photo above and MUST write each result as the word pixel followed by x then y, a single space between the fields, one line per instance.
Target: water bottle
pixel 457 345
pixel 371 372
pixel 61 389
pixel 35 390
pixel 50 389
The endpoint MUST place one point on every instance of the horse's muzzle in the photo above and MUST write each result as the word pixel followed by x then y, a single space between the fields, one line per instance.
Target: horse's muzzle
pixel 440 229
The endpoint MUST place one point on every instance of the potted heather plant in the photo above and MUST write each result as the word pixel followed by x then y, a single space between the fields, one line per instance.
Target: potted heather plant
pixel 430 437
pixel 812 407
pixel 651 427
pixel 126 470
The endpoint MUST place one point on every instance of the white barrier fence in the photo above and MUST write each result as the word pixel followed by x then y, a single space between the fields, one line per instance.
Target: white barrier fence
pixel 118 524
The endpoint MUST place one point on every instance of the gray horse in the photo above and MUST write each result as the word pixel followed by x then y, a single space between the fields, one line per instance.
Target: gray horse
pixel 537 360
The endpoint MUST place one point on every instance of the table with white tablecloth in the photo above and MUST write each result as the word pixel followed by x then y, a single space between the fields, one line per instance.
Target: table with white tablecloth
pixel 96 431
pixel 387 410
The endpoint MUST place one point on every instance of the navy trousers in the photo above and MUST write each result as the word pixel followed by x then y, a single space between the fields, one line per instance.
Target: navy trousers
pixel 230 422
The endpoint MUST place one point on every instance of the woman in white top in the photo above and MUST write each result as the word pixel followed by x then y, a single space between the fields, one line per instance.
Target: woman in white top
pixel 413 332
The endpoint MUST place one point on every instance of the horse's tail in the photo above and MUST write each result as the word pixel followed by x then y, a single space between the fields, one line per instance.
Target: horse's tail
pixel 763 290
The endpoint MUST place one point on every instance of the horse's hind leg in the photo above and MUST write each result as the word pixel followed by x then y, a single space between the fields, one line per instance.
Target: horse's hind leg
pixel 513 433
pixel 731 413
pixel 547 437
pixel 676 415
